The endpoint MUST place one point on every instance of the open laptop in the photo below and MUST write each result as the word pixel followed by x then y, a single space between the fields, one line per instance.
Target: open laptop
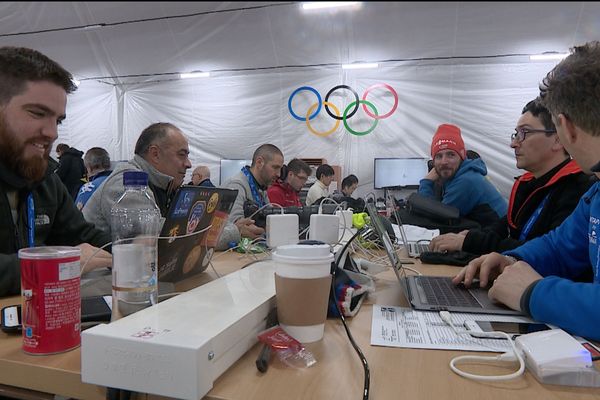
pixel 436 293
pixel 193 209
pixel 414 249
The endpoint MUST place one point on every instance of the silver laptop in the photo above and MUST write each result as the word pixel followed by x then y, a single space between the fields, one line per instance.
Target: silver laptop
pixel 414 249
pixel 435 293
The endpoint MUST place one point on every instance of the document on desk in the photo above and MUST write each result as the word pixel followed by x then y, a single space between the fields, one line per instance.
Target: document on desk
pixel 405 327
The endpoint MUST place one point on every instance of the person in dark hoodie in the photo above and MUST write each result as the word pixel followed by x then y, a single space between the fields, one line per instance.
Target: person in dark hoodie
pixel 33 98
pixel 71 169
pixel 463 181
pixel 540 199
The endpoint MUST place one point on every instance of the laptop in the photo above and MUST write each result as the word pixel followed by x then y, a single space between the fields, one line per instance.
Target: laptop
pixel 414 249
pixel 436 293
pixel 193 209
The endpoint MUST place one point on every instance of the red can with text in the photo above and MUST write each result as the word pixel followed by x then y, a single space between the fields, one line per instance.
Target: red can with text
pixel 50 299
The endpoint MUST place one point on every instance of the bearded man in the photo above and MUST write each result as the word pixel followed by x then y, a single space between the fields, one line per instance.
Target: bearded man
pixel 35 207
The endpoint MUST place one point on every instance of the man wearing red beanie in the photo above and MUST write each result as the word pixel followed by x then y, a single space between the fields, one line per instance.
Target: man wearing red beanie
pixel 463 182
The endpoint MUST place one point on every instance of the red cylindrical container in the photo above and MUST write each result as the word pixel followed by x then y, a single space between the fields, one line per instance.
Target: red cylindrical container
pixel 51 299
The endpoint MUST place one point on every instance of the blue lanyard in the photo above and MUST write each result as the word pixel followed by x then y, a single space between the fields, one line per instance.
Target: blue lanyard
pixel 30 220
pixel 532 219
pixel 257 197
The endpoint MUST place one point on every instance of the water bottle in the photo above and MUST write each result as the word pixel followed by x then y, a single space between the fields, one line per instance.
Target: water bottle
pixel 135 224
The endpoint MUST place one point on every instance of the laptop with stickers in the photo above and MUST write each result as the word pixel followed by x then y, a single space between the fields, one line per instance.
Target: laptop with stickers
pixel 435 293
pixel 193 209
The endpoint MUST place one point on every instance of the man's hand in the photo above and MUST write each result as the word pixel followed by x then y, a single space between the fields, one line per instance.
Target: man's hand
pixel 508 288
pixel 101 259
pixel 448 242
pixel 432 175
pixel 248 229
pixel 487 267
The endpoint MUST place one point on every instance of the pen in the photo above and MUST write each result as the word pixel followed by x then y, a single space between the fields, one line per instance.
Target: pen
pixel 262 361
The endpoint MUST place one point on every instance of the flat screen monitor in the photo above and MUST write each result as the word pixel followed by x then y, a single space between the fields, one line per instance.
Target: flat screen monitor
pixel 231 167
pixel 399 172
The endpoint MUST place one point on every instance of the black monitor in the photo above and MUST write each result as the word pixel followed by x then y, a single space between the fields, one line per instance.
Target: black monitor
pixel 231 167
pixel 399 172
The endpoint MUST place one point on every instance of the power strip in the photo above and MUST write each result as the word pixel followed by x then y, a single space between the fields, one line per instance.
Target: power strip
pixel 178 347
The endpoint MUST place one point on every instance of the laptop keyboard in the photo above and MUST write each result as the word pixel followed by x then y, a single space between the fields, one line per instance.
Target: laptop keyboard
pixel 418 248
pixel 442 292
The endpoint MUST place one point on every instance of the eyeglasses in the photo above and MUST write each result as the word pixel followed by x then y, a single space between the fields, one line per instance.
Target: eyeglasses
pixel 521 134
pixel 303 178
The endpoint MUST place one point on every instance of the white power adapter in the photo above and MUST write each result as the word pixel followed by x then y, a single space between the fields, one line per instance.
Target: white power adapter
pixel 324 227
pixel 554 357
pixel 282 229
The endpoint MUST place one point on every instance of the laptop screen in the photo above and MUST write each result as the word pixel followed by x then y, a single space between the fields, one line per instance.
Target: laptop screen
pixel 383 235
pixel 194 209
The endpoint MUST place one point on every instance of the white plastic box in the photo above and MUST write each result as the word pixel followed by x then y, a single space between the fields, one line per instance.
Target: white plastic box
pixel 180 346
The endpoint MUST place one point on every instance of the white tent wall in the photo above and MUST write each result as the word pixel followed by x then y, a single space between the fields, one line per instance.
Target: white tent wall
pixel 463 63
pixel 229 117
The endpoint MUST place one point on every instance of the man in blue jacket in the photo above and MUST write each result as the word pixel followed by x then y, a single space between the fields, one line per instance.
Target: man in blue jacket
pixel 463 182
pixel 556 278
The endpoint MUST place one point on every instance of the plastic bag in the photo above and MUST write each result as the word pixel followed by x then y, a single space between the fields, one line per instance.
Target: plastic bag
pixel 290 351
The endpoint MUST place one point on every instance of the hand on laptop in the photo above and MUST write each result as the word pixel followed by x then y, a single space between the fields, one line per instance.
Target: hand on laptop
pixel 101 259
pixel 509 286
pixel 248 229
pixel 487 267
pixel 448 242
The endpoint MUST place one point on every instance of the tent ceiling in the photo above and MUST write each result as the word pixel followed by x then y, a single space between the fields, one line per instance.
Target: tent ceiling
pixel 227 36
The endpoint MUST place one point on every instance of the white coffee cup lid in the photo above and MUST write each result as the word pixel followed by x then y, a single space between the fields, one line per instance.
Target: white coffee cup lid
pixel 303 251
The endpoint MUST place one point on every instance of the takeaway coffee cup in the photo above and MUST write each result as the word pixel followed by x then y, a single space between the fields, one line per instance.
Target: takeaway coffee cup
pixel 302 285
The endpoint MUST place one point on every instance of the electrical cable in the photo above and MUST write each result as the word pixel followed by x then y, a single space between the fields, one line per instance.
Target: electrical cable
pixel 514 356
pixel 363 359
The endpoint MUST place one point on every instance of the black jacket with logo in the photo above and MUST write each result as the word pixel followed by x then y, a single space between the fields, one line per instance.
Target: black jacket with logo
pixel 57 222
pixel 564 185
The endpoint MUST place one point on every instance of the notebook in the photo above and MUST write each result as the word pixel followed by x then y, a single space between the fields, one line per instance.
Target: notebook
pixel 193 209
pixel 436 293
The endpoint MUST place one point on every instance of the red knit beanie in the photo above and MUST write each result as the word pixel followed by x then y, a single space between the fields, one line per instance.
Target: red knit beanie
pixel 448 136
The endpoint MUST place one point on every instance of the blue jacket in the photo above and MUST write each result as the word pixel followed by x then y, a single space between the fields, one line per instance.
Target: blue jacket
pixel 563 256
pixel 468 189
pixel 87 190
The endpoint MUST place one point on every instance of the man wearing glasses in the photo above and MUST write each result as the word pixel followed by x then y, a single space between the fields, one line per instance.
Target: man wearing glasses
pixel 556 278
pixel 540 199
pixel 285 190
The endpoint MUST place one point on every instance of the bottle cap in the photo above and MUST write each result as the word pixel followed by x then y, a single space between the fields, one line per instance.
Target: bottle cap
pixel 135 178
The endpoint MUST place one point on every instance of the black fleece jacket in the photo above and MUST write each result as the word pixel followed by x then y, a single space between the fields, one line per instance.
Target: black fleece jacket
pixel 564 185
pixel 57 222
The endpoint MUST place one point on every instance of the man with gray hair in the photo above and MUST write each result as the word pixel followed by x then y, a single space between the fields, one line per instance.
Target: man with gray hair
pixel 201 177
pixel 97 164
pixel 162 152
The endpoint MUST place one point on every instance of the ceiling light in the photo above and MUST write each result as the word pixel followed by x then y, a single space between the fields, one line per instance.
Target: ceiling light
pixel 194 75
pixel 360 66
pixel 548 56
pixel 329 4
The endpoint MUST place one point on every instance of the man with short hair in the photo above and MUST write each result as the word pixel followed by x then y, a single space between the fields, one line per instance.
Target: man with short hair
pixel 320 188
pixel 162 152
pixel 35 207
pixel 285 191
pixel 97 164
pixel 201 177
pixel 540 200
pixel 71 168
pixel 556 278
pixel 252 183
pixel 463 181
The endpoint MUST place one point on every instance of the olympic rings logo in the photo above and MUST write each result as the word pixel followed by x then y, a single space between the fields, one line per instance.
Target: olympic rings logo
pixel 315 108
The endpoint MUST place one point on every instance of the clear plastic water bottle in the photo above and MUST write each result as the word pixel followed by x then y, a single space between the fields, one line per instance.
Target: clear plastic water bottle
pixel 135 224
